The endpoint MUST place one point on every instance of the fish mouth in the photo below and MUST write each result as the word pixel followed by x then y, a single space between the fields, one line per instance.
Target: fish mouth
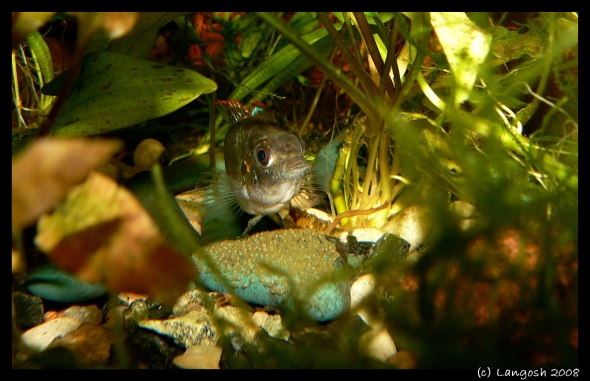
pixel 296 167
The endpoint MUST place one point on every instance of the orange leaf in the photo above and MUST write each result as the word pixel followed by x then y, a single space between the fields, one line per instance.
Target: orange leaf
pixel 43 173
pixel 103 234
pixel 74 250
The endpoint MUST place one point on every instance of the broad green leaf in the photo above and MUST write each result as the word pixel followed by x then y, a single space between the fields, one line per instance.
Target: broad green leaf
pixel 115 91
pixel 466 47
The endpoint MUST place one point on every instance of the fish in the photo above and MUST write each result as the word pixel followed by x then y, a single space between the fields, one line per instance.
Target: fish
pixel 265 166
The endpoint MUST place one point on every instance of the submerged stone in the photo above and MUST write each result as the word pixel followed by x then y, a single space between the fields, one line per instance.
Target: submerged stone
pixel 290 268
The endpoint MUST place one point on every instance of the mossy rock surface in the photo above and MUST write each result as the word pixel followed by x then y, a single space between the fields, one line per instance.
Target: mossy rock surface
pixel 289 268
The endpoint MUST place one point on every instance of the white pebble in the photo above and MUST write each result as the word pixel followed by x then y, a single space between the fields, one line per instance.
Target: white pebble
pixel 378 344
pixel 41 336
pixel 360 289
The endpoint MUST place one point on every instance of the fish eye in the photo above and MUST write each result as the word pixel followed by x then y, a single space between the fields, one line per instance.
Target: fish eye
pixel 263 156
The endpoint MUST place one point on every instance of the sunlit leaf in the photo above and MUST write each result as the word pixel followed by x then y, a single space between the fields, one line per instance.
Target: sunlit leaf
pixel 466 47
pixel 510 45
pixel 115 91
pixel 43 173
pixel 103 235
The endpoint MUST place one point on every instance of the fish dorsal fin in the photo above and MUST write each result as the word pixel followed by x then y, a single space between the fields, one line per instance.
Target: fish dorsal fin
pixel 234 111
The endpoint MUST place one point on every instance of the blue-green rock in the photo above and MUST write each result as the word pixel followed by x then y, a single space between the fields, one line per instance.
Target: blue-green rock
pixel 289 268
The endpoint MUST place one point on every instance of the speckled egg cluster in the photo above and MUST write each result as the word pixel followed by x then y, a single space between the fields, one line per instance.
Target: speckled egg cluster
pixel 286 268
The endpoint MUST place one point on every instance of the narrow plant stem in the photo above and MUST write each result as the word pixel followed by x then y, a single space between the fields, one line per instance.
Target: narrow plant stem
pixel 336 185
pixel 179 231
pixel 384 169
pixel 395 165
pixel 356 185
pixel 532 107
pixel 373 147
pixel 212 116
pixel 16 96
pixel 354 45
pixel 355 64
pixel 316 98
pixel 397 81
pixel 390 62
pixel 314 103
pixel 26 70
pixel 381 30
pixel 369 40
pixel 429 93
pixel 384 182
pixel 352 165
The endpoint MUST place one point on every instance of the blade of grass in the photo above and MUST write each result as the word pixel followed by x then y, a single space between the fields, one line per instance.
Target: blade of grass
pixel 327 67
pixel 276 66
pixel 369 40
pixel 371 89
pixel 397 81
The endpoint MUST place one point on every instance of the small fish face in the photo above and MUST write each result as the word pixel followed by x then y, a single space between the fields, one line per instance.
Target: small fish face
pixel 267 163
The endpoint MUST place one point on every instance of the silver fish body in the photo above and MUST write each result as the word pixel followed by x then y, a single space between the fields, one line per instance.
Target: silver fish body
pixel 264 164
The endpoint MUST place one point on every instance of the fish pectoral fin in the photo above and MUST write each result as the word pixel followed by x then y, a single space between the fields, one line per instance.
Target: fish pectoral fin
pixel 253 221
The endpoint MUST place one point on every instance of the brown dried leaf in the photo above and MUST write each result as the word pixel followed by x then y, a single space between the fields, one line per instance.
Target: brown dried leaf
pixel 43 173
pixel 74 250
pixel 102 234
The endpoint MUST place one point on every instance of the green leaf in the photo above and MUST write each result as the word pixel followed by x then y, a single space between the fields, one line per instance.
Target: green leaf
pixel 284 65
pixel 384 16
pixel 304 22
pixel 250 42
pixel 115 91
pixel 42 55
pixel 510 45
pixel 466 47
